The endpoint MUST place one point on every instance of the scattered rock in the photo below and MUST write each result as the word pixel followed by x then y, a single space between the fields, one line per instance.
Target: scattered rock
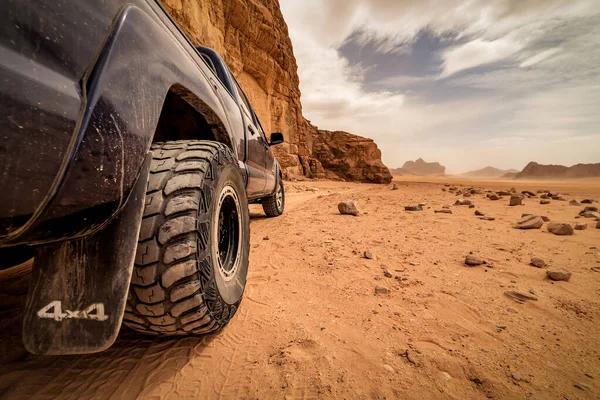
pixel 559 274
pixel 348 207
pixel 494 196
pixel 395 187
pixel 529 193
pixel 560 228
pixel 588 209
pixel 545 201
pixel 519 297
pixel 582 386
pixel 413 208
pixel 591 214
pixel 517 378
pixel 515 200
pixel 545 219
pixel 505 192
pixel 595 269
pixel 446 206
pixel 463 202
pixel 381 290
pixel 412 357
pixel 368 255
pixel 560 198
pixel 479 213
pixel 387 273
pixel 473 260
pixel 580 227
pixel 389 368
pixel 538 262
pixel 443 211
pixel 544 196
pixel 530 222
pixel 586 201
pixel 573 203
pixel 488 218
pixel 266 238
pixel 471 205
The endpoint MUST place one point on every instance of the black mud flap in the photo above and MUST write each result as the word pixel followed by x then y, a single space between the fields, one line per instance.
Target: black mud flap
pixel 79 288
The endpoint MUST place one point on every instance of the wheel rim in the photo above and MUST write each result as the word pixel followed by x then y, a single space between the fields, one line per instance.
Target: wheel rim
pixel 279 197
pixel 227 236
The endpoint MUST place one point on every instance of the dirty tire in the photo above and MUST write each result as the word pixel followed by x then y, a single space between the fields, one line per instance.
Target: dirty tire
pixel 181 283
pixel 273 206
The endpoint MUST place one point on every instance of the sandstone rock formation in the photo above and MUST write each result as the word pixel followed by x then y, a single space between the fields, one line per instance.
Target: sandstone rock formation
pixel 252 37
pixel 540 171
pixel 421 167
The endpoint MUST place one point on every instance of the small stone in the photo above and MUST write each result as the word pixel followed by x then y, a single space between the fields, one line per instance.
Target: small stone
pixel 582 386
pixel 494 196
pixel 544 196
pixel 488 218
pixel 348 207
pixel 266 238
pixel 519 297
pixel 573 202
pixel 545 201
pixel 538 262
pixel 381 290
pixel 473 260
pixel 528 193
pixel 463 202
pixel 471 205
pixel 506 192
pixel 413 208
pixel 389 368
pixel 545 219
pixel 559 274
pixel 502 327
pixel 443 211
pixel 517 378
pixel 560 228
pixel 387 273
pixel 395 187
pixel 595 269
pixel 588 209
pixel 446 206
pixel 479 213
pixel 530 222
pixel 515 200
pixel 580 227
pixel 368 255
pixel 412 357
pixel 586 201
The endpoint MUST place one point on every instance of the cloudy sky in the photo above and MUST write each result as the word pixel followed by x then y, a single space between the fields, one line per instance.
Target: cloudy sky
pixel 466 83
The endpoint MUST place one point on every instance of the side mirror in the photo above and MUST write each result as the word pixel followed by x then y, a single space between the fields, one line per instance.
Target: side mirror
pixel 276 138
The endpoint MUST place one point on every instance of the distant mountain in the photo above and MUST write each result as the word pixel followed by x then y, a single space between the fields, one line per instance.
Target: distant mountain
pixel 489 172
pixel 540 171
pixel 420 167
pixel 400 171
pixel 510 175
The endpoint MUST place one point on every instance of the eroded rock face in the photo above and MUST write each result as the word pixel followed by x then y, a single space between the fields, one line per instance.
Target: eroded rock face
pixel 252 37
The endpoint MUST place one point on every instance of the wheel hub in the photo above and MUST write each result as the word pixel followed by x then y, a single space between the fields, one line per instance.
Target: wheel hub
pixel 227 238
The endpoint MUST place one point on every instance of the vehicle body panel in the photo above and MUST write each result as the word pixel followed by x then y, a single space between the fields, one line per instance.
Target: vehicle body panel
pixel 84 109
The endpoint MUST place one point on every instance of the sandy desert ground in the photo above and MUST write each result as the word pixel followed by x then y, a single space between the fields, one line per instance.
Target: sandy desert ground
pixel 312 326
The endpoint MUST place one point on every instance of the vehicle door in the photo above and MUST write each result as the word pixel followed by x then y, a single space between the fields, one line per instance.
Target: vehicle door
pixel 269 159
pixel 255 153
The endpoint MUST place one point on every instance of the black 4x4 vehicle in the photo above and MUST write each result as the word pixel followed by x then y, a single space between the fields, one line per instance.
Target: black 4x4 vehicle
pixel 128 158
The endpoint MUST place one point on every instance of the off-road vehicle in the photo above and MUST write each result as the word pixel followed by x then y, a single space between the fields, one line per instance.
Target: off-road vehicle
pixel 128 157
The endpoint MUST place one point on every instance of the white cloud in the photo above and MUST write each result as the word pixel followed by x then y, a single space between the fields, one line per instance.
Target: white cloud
pixel 477 52
pixel 539 57
pixel 541 97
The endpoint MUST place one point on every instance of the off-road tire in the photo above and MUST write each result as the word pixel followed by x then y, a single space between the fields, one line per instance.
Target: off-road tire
pixel 177 287
pixel 271 205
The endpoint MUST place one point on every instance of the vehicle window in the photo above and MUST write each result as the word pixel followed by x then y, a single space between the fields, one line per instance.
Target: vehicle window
pixel 245 102
pixel 209 62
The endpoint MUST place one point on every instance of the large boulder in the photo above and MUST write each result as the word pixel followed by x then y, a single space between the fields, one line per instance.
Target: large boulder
pixel 348 207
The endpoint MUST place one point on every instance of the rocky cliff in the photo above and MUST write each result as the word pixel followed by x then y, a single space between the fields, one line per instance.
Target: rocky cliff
pixel 541 171
pixel 252 37
pixel 421 167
